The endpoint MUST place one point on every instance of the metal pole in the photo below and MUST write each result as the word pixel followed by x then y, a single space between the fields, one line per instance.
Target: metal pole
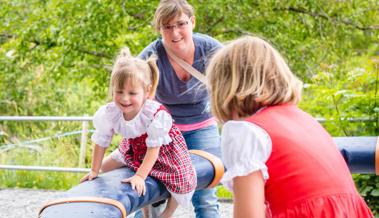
pixel 83 144
pixel 43 118
pixel 41 168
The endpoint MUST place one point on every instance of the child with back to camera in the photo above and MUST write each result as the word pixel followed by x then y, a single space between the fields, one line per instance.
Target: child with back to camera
pixel 280 161
pixel 154 145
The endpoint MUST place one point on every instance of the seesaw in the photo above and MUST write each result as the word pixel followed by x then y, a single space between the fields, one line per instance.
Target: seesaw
pixel 106 196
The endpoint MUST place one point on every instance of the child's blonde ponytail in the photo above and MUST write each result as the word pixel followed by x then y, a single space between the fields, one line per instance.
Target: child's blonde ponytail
pixel 152 62
pixel 125 52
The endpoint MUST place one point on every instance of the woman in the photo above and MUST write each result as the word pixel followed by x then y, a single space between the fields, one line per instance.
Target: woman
pixel 183 95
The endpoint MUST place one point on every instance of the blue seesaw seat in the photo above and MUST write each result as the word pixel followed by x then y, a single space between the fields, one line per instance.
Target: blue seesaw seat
pixel 106 196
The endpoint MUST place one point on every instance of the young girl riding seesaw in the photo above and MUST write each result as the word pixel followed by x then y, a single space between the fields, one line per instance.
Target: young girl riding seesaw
pixel 154 146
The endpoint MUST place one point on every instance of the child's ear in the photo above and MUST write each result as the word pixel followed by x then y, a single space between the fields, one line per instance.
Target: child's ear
pixel 193 21
pixel 148 92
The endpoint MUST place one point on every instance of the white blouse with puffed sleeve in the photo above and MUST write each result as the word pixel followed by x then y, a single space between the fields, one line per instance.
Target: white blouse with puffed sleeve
pixel 105 120
pixel 158 130
pixel 109 120
pixel 245 148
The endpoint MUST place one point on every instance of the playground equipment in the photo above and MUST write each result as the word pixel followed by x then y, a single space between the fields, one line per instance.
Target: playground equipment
pixel 106 196
pixel 360 153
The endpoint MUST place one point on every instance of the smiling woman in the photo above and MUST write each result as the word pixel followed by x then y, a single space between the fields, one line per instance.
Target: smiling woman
pixel 177 36
pixel 180 92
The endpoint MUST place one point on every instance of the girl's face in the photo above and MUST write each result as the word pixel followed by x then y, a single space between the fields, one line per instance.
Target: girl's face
pixel 177 34
pixel 130 99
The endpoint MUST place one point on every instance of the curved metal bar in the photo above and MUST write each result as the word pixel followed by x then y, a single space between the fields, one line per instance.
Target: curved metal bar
pixel 218 166
pixel 108 201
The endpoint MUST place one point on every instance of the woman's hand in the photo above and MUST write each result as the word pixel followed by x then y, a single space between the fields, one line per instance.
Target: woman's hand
pixel 137 183
pixel 90 176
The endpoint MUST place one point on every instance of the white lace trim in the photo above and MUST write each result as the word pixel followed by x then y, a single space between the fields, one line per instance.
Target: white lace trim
pixel 108 120
pixel 139 124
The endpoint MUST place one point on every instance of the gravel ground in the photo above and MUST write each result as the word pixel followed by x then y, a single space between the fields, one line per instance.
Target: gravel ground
pixel 25 203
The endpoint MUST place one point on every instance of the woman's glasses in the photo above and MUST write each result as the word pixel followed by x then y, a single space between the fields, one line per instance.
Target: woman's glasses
pixel 179 25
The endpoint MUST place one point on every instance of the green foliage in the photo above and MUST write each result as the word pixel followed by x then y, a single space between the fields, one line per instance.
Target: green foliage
pixel 346 91
pixel 222 192
pixel 368 186
pixel 56 153
pixel 55 59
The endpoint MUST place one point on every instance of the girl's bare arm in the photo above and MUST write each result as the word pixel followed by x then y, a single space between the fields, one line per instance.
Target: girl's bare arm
pixel 97 158
pixel 249 195
pixel 138 180
pixel 148 162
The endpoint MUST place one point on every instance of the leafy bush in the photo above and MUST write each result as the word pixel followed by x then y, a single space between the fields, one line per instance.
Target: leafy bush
pixel 55 59
pixel 343 92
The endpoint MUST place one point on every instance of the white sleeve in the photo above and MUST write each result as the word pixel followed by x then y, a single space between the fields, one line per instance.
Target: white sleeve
pixel 245 148
pixel 104 129
pixel 158 130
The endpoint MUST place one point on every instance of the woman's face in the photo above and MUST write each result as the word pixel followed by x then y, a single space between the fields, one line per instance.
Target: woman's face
pixel 177 34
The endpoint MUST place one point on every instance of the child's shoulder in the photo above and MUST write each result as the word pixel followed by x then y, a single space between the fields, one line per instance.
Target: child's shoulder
pixel 241 127
pixel 242 132
pixel 151 102
pixel 152 107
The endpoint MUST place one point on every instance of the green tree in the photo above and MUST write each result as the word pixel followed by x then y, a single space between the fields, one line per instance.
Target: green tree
pixel 55 55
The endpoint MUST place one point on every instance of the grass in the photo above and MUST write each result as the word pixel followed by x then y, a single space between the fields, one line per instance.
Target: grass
pixel 56 152
pixel 223 193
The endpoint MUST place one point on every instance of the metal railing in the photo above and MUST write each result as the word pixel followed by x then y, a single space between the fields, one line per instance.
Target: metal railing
pixel 42 168
pixel 350 120
pixel 83 142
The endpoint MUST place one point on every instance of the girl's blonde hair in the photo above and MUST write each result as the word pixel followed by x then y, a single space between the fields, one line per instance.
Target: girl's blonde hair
pixel 129 68
pixel 169 9
pixel 248 74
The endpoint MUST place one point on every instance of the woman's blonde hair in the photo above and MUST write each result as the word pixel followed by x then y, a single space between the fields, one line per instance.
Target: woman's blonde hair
pixel 169 9
pixel 129 68
pixel 248 74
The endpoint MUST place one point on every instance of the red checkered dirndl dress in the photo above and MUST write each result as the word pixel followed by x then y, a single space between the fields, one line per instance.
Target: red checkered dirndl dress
pixel 173 166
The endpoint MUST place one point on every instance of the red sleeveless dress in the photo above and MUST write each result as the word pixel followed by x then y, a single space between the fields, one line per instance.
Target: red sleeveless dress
pixel 308 176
